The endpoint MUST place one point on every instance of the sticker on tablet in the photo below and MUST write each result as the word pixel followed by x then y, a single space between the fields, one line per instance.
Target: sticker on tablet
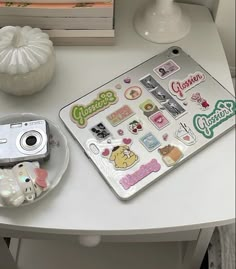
pixel 145 170
pixel 163 97
pixel 121 156
pixel 135 126
pixel 118 86
pixel 174 108
pixel 170 155
pixel 149 82
pixel 166 69
pixel 120 132
pixel 196 97
pixel 179 87
pixel 81 113
pixel 205 124
pixel 148 108
pixel 100 131
pixel 159 120
pixel 120 115
pixel 127 80
pixel 185 135
pixel 133 93
pixel 165 137
pixel 150 142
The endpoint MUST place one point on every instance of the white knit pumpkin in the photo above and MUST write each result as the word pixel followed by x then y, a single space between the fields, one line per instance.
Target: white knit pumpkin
pixel 27 60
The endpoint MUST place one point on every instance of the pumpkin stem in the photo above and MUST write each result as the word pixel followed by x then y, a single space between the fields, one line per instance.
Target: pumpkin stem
pixel 18 40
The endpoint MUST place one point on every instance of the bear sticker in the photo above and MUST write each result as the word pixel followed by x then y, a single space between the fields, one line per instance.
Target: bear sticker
pixel 170 155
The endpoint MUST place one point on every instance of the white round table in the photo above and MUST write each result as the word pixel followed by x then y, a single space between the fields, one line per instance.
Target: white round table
pixel 197 196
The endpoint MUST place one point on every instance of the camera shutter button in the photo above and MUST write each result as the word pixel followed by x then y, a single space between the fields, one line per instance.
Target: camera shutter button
pixel 3 140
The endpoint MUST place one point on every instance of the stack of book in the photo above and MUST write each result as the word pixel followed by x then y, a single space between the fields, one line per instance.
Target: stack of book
pixel 81 22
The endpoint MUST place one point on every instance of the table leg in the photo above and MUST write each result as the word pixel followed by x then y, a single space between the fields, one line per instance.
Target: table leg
pixel 6 259
pixel 195 251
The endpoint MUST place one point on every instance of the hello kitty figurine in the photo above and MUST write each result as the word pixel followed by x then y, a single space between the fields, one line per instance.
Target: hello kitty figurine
pixel 24 182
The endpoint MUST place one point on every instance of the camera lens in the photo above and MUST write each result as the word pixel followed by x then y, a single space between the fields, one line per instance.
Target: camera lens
pixel 31 140
pixel 175 51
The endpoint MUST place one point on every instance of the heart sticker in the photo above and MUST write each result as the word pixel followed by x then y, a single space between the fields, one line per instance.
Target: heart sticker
pixel 127 80
pixel 187 138
pixel 127 141
pixel 106 152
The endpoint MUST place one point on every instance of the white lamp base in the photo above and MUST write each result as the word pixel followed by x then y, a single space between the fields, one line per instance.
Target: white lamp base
pixel 162 21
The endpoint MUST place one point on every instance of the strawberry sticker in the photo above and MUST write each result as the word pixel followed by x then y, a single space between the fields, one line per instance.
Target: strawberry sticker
pixel 135 126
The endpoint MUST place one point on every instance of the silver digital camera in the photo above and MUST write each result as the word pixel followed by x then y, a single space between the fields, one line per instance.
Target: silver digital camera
pixel 24 141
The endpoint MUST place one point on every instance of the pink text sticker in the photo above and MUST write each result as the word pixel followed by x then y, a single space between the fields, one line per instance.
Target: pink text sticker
pixel 179 87
pixel 144 171
pixel 120 115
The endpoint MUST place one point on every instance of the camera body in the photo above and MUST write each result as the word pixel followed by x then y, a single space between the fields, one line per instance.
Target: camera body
pixel 24 141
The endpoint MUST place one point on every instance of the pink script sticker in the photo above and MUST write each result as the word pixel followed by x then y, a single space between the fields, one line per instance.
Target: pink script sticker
pixel 144 171
pixel 179 87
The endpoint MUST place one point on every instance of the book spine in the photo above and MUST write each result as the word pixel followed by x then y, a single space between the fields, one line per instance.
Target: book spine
pixel 90 12
pixel 58 23
pixel 57 1
pixel 80 33
pixel 82 37
pixel 83 41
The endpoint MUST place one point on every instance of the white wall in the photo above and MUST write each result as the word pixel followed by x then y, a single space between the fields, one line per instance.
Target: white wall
pixel 209 3
pixel 223 12
pixel 225 20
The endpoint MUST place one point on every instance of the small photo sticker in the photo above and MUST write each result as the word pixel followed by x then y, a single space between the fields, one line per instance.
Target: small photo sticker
pixel 100 131
pixel 149 83
pixel 149 108
pixel 174 108
pixel 166 69
pixel 161 94
pixel 133 93
pixel 150 142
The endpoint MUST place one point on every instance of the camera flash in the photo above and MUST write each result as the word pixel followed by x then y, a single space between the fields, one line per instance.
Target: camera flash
pixel 3 140
pixel 16 125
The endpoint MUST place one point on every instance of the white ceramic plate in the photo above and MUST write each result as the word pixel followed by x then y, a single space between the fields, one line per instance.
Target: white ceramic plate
pixel 59 157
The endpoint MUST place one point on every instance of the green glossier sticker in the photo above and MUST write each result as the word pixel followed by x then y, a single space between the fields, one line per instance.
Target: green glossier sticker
pixel 205 124
pixel 80 113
